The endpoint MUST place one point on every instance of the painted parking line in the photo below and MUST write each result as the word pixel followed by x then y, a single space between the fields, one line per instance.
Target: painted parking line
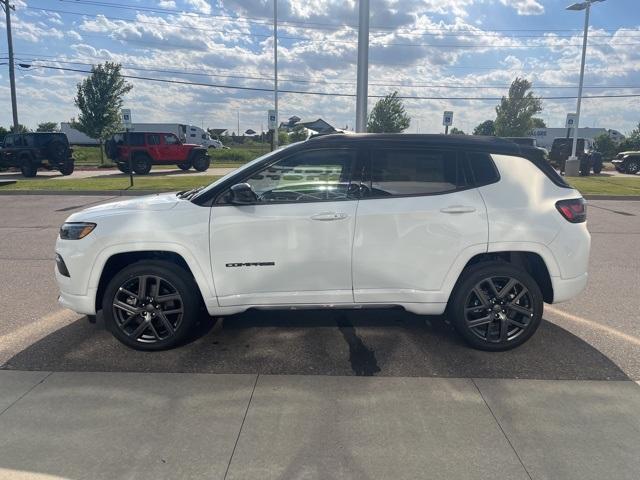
pixel 595 325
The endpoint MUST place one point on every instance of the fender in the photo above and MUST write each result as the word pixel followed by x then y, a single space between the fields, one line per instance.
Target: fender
pixel 207 288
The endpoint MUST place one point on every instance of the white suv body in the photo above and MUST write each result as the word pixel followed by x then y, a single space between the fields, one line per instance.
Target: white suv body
pixel 339 221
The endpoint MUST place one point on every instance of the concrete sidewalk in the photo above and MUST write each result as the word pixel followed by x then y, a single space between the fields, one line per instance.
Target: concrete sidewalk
pixel 137 425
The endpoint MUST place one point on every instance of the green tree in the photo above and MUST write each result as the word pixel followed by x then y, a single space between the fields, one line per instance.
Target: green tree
pixel 488 127
pixel 3 132
pixel 605 146
pixel 388 116
pixel 283 137
pixel 21 129
pixel 99 100
pixel 47 127
pixel 514 115
pixel 538 123
pixel 456 131
pixel 631 142
pixel 298 134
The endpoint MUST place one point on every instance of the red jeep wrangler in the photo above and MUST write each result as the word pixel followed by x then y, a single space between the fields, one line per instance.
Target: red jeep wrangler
pixel 146 149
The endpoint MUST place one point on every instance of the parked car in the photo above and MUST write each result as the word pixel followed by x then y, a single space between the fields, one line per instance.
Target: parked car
pixel 468 225
pixel 561 151
pixel 141 150
pixel 34 150
pixel 627 162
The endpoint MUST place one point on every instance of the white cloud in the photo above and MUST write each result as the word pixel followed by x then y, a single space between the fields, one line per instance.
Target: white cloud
pixel 167 4
pixel 525 7
pixel 202 6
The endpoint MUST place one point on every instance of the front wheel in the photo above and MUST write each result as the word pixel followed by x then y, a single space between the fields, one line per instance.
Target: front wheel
pixel 28 168
pixel 141 165
pixel 151 305
pixel 66 168
pixel 201 162
pixel 496 306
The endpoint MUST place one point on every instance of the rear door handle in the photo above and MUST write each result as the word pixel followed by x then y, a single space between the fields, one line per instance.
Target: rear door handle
pixel 328 216
pixel 458 209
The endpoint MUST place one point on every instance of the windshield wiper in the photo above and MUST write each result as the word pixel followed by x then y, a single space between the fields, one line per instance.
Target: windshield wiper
pixel 188 194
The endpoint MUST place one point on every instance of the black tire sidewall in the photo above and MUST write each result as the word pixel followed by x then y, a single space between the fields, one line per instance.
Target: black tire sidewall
pixel 200 162
pixel 140 161
pixel 179 278
pixel 123 167
pixel 468 280
pixel 66 168
pixel 27 167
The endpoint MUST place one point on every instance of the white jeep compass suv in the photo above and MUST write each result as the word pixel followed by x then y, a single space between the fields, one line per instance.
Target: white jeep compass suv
pixel 477 227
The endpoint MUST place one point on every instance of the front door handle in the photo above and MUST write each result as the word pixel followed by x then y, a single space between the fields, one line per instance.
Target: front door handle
pixel 328 216
pixel 458 209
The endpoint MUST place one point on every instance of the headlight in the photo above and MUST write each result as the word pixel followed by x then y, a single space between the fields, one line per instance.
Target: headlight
pixel 76 230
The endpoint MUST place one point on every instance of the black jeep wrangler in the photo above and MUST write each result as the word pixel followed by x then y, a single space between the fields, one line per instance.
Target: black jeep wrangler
pixel 30 151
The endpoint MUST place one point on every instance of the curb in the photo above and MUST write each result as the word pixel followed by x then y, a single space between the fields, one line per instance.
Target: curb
pixel 103 193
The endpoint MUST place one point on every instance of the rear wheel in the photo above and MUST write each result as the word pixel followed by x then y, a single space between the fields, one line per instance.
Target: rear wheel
pixel 123 167
pixel 28 167
pixel 66 168
pixel 633 166
pixel 201 162
pixel 184 166
pixel 141 164
pixel 496 306
pixel 151 305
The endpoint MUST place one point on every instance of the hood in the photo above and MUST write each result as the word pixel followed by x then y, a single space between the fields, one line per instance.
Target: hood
pixel 151 203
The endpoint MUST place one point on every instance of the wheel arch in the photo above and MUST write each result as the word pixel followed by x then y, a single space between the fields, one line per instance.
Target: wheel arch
pixel 117 261
pixel 194 152
pixel 531 262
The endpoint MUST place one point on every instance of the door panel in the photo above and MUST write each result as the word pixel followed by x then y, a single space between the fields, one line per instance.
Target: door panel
pixel 292 243
pixel 404 247
pixel 283 253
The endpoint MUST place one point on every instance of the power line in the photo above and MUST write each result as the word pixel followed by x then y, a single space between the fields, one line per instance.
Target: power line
pixel 328 94
pixel 330 82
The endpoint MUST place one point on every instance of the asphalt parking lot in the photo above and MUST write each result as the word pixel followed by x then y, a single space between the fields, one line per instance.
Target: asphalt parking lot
pixel 596 336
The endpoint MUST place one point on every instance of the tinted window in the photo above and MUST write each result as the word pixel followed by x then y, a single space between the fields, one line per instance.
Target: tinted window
pixel 317 175
pixel 136 139
pixel 170 139
pixel 484 171
pixel 9 141
pixel 153 139
pixel 414 172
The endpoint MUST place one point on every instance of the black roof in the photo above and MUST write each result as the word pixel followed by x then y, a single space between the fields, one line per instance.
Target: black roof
pixel 473 142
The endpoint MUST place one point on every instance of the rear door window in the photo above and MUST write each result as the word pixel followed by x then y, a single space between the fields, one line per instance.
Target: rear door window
pixel 483 169
pixel 415 171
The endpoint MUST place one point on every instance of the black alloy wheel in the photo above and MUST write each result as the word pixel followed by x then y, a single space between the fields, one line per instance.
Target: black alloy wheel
pixel 151 305
pixel 497 307
pixel 633 167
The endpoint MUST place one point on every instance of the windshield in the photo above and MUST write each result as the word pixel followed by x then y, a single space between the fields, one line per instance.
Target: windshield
pixel 245 166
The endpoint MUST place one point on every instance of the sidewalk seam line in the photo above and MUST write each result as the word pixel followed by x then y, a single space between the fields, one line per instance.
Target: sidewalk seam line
pixel 26 393
pixel 501 429
pixel 226 472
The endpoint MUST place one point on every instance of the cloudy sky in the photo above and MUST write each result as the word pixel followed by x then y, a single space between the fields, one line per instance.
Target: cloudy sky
pixel 455 54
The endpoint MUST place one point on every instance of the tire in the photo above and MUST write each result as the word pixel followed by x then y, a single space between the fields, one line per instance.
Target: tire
pixel 201 162
pixel 498 325
pixel 141 164
pixel 138 322
pixel 597 168
pixel 66 168
pixel 57 152
pixel 184 166
pixel 28 168
pixel 123 167
pixel 632 167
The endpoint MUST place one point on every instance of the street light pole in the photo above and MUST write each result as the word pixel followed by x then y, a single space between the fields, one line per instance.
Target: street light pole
pixel 363 68
pixel 12 74
pixel 572 166
pixel 275 70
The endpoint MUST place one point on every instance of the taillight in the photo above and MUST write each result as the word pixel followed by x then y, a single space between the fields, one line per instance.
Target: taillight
pixel 574 210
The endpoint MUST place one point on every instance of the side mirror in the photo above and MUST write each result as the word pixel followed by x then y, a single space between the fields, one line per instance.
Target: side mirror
pixel 243 194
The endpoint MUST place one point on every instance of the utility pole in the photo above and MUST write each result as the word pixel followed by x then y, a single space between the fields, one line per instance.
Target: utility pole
pixel 275 70
pixel 12 75
pixel 238 131
pixel 362 81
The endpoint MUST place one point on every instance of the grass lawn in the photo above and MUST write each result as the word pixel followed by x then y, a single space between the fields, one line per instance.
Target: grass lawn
pixel 606 185
pixel 168 184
